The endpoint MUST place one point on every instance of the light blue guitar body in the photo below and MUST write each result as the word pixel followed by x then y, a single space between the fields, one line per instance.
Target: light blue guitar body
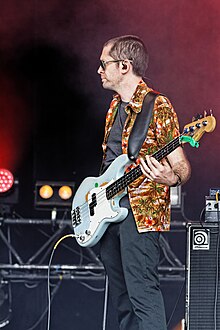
pixel 92 211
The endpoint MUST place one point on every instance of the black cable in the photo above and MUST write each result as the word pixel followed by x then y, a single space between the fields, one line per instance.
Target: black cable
pixel 8 317
pixel 217 265
pixel 183 208
pixel 177 301
pixel 53 293
pixel 201 215
pixel 168 253
pixel 92 288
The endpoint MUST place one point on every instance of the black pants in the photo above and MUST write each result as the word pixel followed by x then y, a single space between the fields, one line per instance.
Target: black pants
pixel 131 260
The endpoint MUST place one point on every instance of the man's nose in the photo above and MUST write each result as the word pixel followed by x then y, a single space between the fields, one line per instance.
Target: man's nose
pixel 99 69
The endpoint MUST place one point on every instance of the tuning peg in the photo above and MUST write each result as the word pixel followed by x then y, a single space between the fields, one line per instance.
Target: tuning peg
pixel 205 113
pixel 197 117
pixel 191 128
pixel 210 110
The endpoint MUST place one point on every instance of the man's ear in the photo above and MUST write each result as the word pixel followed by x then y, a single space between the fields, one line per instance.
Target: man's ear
pixel 125 66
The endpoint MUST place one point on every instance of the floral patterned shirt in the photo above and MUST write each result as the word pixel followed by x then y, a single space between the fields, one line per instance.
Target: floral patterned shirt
pixel 150 202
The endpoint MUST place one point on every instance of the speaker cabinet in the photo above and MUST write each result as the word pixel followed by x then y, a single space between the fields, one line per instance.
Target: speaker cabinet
pixel 202 277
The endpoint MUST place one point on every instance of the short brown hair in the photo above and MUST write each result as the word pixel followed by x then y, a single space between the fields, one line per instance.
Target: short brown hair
pixel 132 48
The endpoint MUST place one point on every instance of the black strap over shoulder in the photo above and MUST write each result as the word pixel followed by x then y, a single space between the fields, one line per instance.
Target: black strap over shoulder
pixel 141 125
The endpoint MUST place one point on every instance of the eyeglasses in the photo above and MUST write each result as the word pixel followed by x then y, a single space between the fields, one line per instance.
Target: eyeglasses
pixel 103 64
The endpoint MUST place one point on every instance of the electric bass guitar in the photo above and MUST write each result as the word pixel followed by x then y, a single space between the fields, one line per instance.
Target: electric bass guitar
pixel 96 202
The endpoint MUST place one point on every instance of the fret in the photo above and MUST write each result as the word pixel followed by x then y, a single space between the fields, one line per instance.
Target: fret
pixel 124 181
pixel 167 149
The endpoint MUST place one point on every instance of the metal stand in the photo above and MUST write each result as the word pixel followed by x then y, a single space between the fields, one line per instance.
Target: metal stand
pixel 34 264
pixel 105 310
pixel 35 269
pixel 16 268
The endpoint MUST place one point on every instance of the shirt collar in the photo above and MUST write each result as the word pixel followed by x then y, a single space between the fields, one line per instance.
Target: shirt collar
pixel 136 101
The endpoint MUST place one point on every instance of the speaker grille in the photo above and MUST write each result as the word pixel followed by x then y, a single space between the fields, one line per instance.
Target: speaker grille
pixel 201 277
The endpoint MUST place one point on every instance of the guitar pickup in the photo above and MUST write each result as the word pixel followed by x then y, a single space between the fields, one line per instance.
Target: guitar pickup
pixel 75 216
pixel 93 204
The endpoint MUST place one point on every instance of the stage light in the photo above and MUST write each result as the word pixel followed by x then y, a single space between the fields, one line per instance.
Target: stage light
pixel 51 194
pixel 8 192
pixel 46 192
pixel 6 180
pixel 65 192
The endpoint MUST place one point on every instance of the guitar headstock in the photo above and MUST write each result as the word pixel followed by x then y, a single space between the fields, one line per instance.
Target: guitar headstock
pixel 199 126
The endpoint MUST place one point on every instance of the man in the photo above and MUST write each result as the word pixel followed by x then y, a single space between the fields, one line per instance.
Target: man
pixel 130 249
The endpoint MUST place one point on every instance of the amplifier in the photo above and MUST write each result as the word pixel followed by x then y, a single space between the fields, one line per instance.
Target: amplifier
pixel 202 268
pixel 212 209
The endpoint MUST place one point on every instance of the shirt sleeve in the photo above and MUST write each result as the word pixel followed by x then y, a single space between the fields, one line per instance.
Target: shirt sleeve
pixel 165 121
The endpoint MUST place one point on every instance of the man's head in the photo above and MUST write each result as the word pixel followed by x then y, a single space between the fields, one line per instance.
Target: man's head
pixel 130 48
pixel 122 58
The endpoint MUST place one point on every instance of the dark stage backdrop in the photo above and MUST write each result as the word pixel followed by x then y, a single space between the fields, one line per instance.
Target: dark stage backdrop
pixel 52 105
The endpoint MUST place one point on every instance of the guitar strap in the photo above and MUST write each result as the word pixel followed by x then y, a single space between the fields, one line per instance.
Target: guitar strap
pixel 141 125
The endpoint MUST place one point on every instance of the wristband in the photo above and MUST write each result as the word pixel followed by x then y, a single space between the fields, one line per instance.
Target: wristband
pixel 178 183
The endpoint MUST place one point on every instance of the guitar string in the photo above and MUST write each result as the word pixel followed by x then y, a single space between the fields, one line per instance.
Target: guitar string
pixel 101 196
pixel 172 145
pixel 124 179
pixel 117 188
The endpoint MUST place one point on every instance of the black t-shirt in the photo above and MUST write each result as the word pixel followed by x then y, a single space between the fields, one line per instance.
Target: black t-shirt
pixel 114 148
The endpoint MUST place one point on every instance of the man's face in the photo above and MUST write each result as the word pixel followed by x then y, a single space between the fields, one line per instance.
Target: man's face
pixel 110 75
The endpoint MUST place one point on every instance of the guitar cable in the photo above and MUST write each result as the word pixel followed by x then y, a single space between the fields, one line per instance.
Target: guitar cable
pixel 217 263
pixel 48 276
pixel 53 293
pixel 201 216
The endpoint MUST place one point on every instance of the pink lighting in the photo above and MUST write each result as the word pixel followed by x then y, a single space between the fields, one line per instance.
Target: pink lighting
pixel 6 180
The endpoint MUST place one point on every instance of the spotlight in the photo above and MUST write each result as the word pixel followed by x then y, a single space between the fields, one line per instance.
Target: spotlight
pixel 8 192
pixel 6 180
pixel 46 192
pixel 51 194
pixel 65 192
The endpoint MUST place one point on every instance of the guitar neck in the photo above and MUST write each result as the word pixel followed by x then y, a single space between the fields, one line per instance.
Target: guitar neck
pixel 124 181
